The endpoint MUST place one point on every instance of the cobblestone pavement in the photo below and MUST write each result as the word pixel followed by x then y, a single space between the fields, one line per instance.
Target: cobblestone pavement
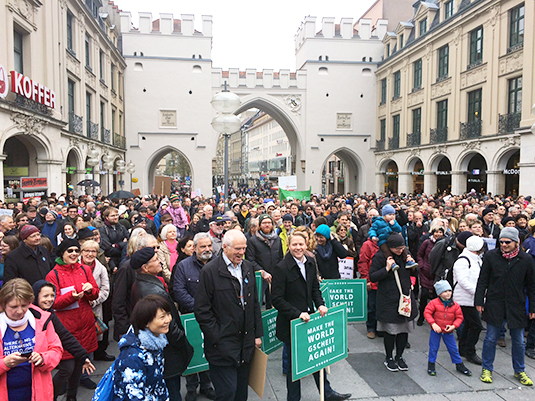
pixel 364 375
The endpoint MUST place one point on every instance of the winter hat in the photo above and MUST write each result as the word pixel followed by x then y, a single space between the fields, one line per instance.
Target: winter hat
pixel 474 243
pixel 85 233
pixel 463 236
pixel 174 197
pixel 66 244
pixel 141 257
pixel 507 219
pixel 28 230
pixel 122 209
pixel 511 233
pixel 486 211
pixel 43 211
pixel 323 229
pixel 395 240
pixel 287 217
pixel 388 209
pixel 53 213
pixel 263 217
pixel 441 286
pixel 138 220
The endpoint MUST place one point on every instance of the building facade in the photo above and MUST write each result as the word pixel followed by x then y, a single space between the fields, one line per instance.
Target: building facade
pixel 454 93
pixel 61 83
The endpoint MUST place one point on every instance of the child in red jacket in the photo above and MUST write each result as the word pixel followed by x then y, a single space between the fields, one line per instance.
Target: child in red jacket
pixel 444 316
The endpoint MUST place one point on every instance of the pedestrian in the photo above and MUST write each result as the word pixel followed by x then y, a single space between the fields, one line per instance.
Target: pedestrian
pixel 500 295
pixel 296 295
pixel 396 327
pixel 444 315
pixel 228 312
pixel 113 236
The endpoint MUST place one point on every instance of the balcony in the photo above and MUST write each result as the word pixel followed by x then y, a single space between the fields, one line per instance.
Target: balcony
pixel 393 143
pixel 471 129
pixel 92 130
pixel 508 122
pixel 414 139
pixel 76 123
pixel 380 145
pixel 119 141
pixel 105 135
pixel 438 135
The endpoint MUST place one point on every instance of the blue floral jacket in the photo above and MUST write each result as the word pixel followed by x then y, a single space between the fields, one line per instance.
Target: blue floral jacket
pixel 138 371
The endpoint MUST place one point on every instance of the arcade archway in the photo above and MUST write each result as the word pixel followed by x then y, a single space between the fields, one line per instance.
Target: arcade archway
pixel 172 164
pixel 340 173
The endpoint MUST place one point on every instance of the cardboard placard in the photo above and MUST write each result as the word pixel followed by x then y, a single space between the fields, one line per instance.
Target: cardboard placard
pixel 162 185
pixel 257 375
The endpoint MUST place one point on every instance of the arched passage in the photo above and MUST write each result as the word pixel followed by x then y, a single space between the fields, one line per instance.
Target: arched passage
pixel 340 172
pixel 440 175
pixel 389 168
pixel 415 167
pixel 476 167
pixel 157 165
pixel 72 167
pixel 508 172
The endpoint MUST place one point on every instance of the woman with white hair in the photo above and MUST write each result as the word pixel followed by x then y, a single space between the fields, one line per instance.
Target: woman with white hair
pixel 168 252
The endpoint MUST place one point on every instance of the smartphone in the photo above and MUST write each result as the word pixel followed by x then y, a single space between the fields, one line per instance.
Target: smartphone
pixel 26 354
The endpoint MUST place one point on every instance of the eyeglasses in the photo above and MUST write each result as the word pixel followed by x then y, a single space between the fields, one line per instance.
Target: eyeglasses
pixel 73 250
pixel 505 242
pixel 89 251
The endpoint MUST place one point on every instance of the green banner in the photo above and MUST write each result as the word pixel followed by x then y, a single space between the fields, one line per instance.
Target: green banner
pixel 196 338
pixel 352 293
pixel 295 195
pixel 270 342
pixel 258 276
pixel 320 342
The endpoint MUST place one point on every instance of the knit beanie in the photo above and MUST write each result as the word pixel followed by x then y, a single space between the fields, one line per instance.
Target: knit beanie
pixel 174 197
pixel 66 244
pixel 388 209
pixel 511 233
pixel 263 217
pixel 28 230
pixel 323 229
pixel 441 286
pixel 395 240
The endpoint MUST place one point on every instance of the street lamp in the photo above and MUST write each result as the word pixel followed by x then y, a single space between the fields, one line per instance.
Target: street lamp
pixel 107 166
pixel 131 170
pixel 226 123
pixel 120 171
pixel 92 161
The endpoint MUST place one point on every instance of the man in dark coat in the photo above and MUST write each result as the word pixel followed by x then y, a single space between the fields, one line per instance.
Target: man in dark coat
pixel 185 282
pixel 178 352
pixel 362 233
pixel 30 261
pixel 228 312
pixel 113 236
pixel 296 294
pixel 264 251
pixel 506 273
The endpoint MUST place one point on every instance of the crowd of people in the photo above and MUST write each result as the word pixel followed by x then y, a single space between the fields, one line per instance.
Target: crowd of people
pixel 70 266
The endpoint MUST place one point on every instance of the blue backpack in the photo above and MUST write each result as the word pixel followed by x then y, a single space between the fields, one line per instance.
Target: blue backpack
pixel 104 390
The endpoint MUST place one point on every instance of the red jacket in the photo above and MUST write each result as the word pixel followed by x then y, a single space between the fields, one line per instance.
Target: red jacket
pixel 367 251
pixel 48 344
pixel 436 312
pixel 76 316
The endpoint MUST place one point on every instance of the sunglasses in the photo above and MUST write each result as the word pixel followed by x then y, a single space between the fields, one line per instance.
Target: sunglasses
pixel 505 242
pixel 73 250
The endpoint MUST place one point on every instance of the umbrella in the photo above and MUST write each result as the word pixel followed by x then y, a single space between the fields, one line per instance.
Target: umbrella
pixel 89 183
pixel 121 195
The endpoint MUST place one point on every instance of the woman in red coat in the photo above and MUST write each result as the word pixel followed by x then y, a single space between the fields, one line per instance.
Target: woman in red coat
pixel 75 288
pixel 426 279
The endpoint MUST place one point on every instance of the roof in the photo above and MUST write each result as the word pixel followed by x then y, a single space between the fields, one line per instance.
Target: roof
pixel 177 25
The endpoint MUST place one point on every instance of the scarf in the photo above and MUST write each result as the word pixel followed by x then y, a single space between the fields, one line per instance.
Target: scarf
pixel 325 251
pixel 16 323
pixel 267 238
pixel 446 303
pixel 151 341
pixel 174 253
pixel 511 255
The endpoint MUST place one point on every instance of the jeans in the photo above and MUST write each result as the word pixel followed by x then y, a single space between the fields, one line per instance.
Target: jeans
pixel 530 344
pixel 517 348
pixel 371 322
pixel 230 383
pixel 67 378
pixel 173 386
pixel 451 345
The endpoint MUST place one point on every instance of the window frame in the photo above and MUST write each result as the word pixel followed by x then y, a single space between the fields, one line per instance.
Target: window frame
pixel 517 25
pixel 476 45
pixel 417 118
pixel 88 110
pixel 383 90
pixel 417 74
pixel 396 125
pixel 382 132
pixel 474 105
pixel 70 31
pixel 443 61
pixel 449 9
pixel 397 84
pixel 513 95
pixel 18 53
pixel 423 24
pixel 442 114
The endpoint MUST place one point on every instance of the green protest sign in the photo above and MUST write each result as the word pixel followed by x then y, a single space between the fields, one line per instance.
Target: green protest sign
pixel 320 342
pixel 352 292
pixel 270 342
pixel 258 276
pixel 295 195
pixel 196 338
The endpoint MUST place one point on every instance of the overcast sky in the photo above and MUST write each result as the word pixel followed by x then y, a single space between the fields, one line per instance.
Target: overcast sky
pixel 251 34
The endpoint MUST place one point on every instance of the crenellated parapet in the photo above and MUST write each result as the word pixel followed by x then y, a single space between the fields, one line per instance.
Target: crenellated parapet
pixel 251 78
pixel 166 24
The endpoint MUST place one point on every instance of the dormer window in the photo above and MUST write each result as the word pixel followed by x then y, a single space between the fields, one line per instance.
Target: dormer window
pixel 423 26
pixel 448 9
pixel 401 37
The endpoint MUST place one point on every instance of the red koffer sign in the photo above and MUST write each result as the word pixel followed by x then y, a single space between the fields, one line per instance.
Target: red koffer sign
pixel 24 86
pixel 33 182
pixel 4 87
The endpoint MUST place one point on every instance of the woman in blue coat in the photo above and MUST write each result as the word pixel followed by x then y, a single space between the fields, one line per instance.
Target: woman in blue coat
pixel 138 373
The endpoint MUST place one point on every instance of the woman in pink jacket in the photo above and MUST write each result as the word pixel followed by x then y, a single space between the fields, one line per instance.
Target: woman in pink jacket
pixel 29 346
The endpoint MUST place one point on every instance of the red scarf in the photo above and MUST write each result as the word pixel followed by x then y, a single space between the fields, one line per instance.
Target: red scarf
pixel 511 255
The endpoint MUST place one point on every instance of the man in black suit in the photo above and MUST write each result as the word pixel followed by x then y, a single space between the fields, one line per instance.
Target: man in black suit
pixel 296 293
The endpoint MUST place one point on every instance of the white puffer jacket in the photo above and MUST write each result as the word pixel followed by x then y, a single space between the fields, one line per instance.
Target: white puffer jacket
pixel 466 275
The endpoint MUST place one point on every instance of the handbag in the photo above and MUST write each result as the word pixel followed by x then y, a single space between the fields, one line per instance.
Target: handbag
pixel 404 307
pixel 104 390
pixel 100 325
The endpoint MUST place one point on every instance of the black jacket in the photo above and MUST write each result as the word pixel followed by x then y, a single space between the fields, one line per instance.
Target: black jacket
pixel 292 295
pixel 261 255
pixel 387 289
pixel 178 352
pixel 503 282
pixel 121 303
pixel 414 233
pixel 443 256
pixel 329 268
pixel 27 264
pixel 203 226
pixel 229 329
pixel 112 239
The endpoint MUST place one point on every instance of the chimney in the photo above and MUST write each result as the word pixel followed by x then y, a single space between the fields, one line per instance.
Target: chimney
pixel 187 24
pixel 365 28
pixel 207 25
pixel 346 28
pixel 145 22
pixel 166 24
pixel 328 27
pixel 126 21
